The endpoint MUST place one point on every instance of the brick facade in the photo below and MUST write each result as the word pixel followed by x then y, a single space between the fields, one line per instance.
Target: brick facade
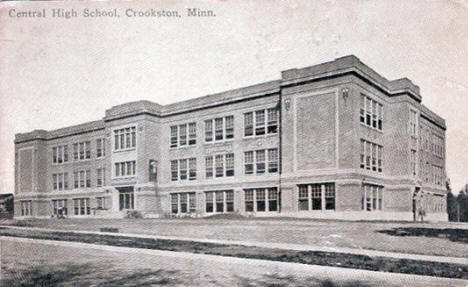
pixel 335 140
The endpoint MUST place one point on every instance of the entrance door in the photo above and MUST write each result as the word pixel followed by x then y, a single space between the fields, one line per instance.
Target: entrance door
pixel 126 197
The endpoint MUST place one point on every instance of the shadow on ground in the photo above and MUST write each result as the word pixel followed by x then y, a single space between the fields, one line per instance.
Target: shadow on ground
pixel 86 275
pixel 276 280
pixel 452 234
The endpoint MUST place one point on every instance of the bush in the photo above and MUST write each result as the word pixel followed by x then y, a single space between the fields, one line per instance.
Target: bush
pixel 134 214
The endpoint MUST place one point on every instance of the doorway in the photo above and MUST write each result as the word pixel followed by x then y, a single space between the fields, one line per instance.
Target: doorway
pixel 126 197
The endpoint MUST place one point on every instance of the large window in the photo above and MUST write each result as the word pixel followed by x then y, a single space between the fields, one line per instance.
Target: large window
pixel 82 150
pixel 60 154
pixel 183 135
pixel 124 169
pixel 371 156
pixel 219 201
pixel 81 206
pixel 184 169
pixel 437 145
pixel 100 177
pixel 100 148
pixel 222 128
pixel 26 207
pixel 372 197
pixel 60 181
pixel 82 179
pixel 223 165
pixel 59 204
pixel 413 123
pixel 261 122
pixel 317 196
pixel 125 138
pixel 371 113
pixel 261 199
pixel 101 202
pixel 256 161
pixel 183 202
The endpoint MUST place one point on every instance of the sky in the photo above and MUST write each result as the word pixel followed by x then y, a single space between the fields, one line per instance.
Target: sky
pixel 56 72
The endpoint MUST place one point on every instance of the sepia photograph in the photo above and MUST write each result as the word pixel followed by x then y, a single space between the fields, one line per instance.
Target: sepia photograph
pixel 234 143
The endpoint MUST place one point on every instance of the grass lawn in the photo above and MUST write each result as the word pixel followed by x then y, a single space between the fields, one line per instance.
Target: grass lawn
pixel 444 239
pixel 33 264
pixel 282 255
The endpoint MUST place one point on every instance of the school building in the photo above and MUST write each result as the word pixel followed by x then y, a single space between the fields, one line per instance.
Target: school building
pixel 334 140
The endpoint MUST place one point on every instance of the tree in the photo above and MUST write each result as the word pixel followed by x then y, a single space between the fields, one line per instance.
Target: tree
pixel 462 202
pixel 451 206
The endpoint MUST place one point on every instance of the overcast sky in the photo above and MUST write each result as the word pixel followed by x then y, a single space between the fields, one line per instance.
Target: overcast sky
pixel 60 72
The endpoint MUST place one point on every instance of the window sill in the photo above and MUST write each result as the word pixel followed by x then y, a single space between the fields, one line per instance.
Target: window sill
pixel 124 150
pixel 182 147
pixel 260 136
pixel 218 141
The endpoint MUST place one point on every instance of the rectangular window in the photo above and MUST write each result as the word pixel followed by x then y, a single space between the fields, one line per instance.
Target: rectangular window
pixel 219 165
pixel 316 193
pixel 183 169
pixel 183 202
pixel 413 123
pixel 81 206
pixel 249 162
pixel 372 196
pixel 229 195
pixel 370 112
pixel 272 120
pixel 59 205
pixel 174 170
pixel 192 169
pixel 273 160
pixel 362 110
pixel 125 169
pixel 192 202
pixel 260 122
pixel 230 164
pixel 219 196
pixel 100 148
pixel 26 208
pixel 303 197
pixel 175 203
pixel 330 196
pixel 209 130
pixel 209 197
pixel 260 161
pixel 183 135
pixel 100 177
pixel 371 155
pixel 229 123
pixel 260 199
pixel 174 136
pixel 60 154
pixel 248 124
pixel 219 129
pixel 319 196
pixel 60 181
pixel 192 133
pixel 249 200
pixel 273 199
pixel 125 138
pixel 88 178
pixel 87 149
pixel 101 203
pixel 209 166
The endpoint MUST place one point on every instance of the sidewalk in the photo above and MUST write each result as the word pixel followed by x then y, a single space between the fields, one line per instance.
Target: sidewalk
pixel 192 262
pixel 296 247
